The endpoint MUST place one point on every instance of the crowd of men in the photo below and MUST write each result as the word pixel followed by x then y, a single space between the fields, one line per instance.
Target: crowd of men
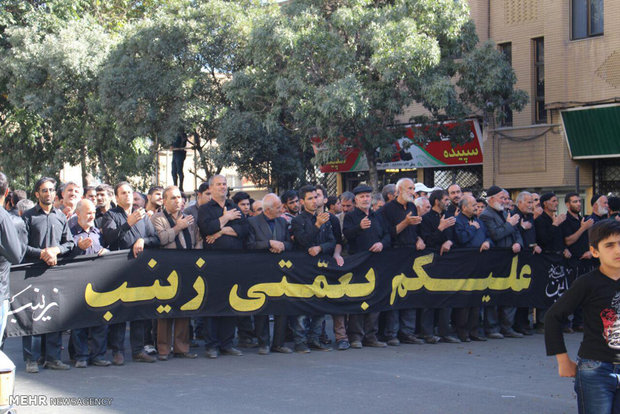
pixel 72 220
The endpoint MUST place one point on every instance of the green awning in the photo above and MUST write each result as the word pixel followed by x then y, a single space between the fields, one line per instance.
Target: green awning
pixel 593 132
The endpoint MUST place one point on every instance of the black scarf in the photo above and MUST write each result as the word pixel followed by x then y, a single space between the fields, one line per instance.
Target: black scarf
pixel 186 235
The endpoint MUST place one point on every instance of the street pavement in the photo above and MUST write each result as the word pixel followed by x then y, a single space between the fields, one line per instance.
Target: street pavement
pixel 498 376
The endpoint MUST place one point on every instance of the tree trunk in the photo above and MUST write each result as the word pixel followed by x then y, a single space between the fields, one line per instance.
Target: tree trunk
pixel 83 166
pixel 373 174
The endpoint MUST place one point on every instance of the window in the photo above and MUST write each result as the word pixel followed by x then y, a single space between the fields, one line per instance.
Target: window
pixel 540 114
pixel 586 18
pixel 506 49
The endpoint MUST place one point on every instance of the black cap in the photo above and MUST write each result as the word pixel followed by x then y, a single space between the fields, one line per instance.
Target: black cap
pixel 493 190
pixel 546 197
pixel 595 198
pixel 363 188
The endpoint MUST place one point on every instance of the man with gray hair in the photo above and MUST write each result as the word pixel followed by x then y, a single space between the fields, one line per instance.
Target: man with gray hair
pixel 23 206
pixel 423 205
pixel 377 202
pixel 388 192
pixel 88 241
pixel 269 231
pixel 503 230
pixel 402 219
pixel 225 228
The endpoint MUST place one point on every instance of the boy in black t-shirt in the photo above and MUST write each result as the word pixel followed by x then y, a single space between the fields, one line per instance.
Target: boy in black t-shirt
pixel 597 371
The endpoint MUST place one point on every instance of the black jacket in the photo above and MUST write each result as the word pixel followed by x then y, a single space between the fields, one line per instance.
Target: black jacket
pixel 12 251
pixel 360 240
pixel 209 223
pixel 432 236
pixel 308 235
pixel 394 213
pixel 119 235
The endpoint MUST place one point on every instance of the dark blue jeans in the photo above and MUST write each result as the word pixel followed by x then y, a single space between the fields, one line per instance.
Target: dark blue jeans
pixel 31 346
pixel 219 331
pixel 596 385
pixel 307 328
pixel 79 337
pixel 399 323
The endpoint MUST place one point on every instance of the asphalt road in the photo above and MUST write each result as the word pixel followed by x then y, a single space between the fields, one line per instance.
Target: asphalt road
pixel 498 376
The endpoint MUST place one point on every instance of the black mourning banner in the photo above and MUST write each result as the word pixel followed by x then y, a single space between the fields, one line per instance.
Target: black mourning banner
pixel 89 291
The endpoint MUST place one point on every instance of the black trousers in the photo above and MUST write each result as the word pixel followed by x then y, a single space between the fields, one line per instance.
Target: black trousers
pixel 261 324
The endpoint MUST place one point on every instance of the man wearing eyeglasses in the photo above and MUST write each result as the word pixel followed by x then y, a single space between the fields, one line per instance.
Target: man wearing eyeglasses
pixel 49 237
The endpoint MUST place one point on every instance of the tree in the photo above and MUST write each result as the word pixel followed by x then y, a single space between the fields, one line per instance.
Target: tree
pixel 166 76
pixel 343 71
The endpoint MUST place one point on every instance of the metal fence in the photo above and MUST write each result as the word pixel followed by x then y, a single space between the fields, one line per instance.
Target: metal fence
pixel 607 176
pixel 468 178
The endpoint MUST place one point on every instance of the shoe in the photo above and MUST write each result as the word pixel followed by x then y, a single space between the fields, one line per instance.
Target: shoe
pixel 188 355
pixel 578 328
pixel 495 335
pixel 81 364
pixel 143 357
pixel 540 330
pixel 464 339
pixel 375 344
pixel 118 359
pixel 302 348
pixel 411 339
pixel 568 330
pixel 393 342
pixel 450 339
pixel 263 350
pixel 324 339
pixel 211 353
pixel 282 349
pixel 101 362
pixel 318 346
pixel 524 331
pixel 512 334
pixel 231 351
pixel 431 339
pixel 57 364
pixel 32 367
pixel 162 357
pixel 356 344
pixel 343 345
pixel 150 350
pixel 477 338
pixel 247 343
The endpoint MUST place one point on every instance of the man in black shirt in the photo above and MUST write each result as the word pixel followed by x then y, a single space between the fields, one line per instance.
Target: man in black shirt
pixel 48 237
pixel 548 232
pixel 455 194
pixel 575 231
pixel 127 228
pixel 313 233
pixel 598 292
pixel 12 250
pixel 224 228
pixel 402 219
pixel 525 209
pixel 437 232
pixel 364 232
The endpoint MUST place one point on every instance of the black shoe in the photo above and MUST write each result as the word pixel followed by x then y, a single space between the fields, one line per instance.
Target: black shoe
pixel 188 355
pixel 231 351
pixel 143 357
pixel 464 338
pixel 281 349
pixel 302 348
pixel 450 339
pixel 211 353
pixel 411 339
pixel 248 343
pixel 318 346
pixel 374 344
pixel 431 339
pixel 477 338
pixel 512 334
